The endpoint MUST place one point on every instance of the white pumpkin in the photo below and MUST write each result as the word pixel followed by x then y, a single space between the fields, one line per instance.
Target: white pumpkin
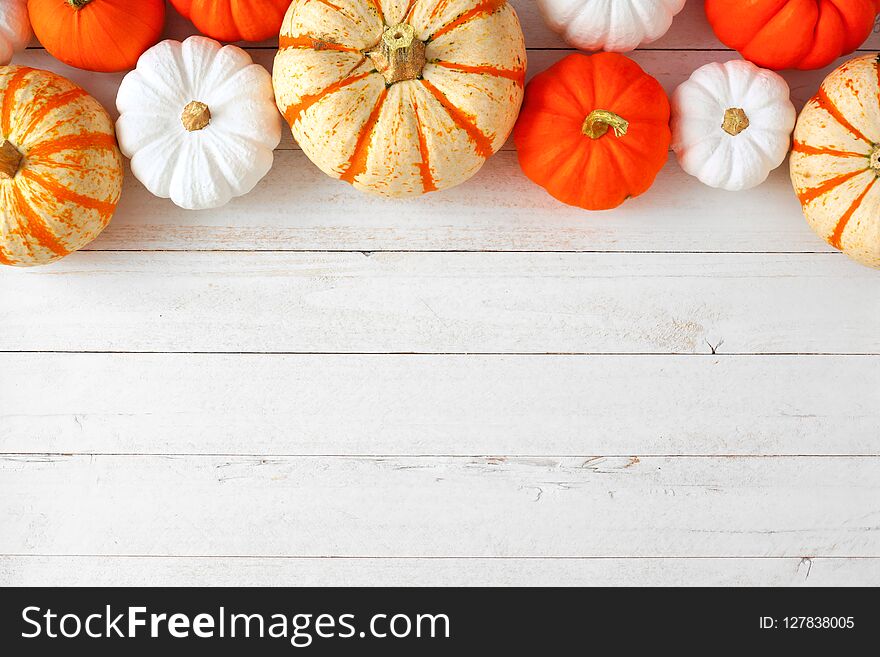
pixel 15 28
pixel 732 124
pixel 198 121
pixel 612 25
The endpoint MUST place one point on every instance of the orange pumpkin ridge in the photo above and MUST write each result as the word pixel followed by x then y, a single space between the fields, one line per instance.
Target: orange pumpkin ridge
pixel 294 111
pixel 517 75
pixel 83 140
pixel 481 142
pixel 62 193
pixel 485 7
pixel 36 227
pixel 357 163
pixel 15 83
pixel 828 105
pixel 52 105
pixel 813 193
pixel 812 150
pixel 837 235
pixel 424 164
pixel 313 43
pixel 377 5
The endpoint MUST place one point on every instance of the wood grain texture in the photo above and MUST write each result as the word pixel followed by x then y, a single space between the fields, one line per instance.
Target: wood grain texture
pixel 443 303
pixel 256 571
pixel 438 405
pixel 440 506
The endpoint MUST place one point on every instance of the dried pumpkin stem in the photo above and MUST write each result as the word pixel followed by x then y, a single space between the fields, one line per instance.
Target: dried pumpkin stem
pixel 196 116
pixel 735 121
pixel 600 121
pixel 10 160
pixel 874 160
pixel 399 54
pixel 78 4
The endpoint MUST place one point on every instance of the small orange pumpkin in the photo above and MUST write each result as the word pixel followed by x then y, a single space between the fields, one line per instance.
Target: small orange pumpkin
pixel 60 169
pixel 804 34
pixel 594 130
pixel 234 20
pixel 97 35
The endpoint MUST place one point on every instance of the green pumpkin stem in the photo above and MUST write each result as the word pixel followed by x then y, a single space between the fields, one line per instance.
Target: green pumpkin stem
pixel 399 54
pixel 600 121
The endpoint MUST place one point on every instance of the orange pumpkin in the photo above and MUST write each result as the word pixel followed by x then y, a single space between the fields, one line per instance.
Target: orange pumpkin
pixel 235 20
pixel 97 35
pixel 594 130
pixel 60 169
pixel 804 34
pixel 835 162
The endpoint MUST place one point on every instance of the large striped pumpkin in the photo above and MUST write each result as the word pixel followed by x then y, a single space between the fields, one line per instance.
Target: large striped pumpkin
pixel 60 169
pixel 400 97
pixel 835 162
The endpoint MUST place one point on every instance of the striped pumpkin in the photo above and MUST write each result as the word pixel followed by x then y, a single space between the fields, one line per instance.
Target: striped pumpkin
pixel 60 169
pixel 835 161
pixel 400 97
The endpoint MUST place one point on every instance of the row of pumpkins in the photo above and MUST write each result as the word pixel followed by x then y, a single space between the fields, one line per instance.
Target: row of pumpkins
pixel 404 97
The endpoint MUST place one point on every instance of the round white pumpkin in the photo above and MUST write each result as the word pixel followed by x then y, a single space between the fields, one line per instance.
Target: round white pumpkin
pixel 732 124
pixel 198 121
pixel 612 25
pixel 15 28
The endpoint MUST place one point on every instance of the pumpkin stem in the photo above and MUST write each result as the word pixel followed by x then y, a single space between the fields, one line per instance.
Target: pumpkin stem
pixel 10 160
pixel 874 161
pixel 735 121
pixel 78 4
pixel 399 55
pixel 196 116
pixel 599 121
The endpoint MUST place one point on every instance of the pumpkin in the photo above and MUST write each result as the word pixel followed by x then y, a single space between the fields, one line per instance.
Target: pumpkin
pixel 731 124
pixel 616 26
pixel 400 98
pixel 15 28
pixel 594 130
pixel 804 34
pixel 198 121
pixel 60 170
pixel 97 35
pixel 234 20
pixel 835 161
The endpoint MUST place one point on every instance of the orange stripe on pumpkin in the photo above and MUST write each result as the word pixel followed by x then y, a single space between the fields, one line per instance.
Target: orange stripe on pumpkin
pixel 305 41
pixel 481 142
pixel 424 164
pixel 81 141
pixel 438 8
pixel 14 84
pixel 293 112
pixel 518 75
pixel 837 235
pixel 357 163
pixel 484 7
pixel 66 195
pixel 53 104
pixel 814 150
pixel 36 227
pixel 378 6
pixel 812 194
pixel 828 105
pixel 3 259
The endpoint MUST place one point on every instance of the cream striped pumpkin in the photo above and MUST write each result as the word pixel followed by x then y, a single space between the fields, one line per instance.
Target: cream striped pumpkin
pixel 835 160
pixel 60 169
pixel 400 97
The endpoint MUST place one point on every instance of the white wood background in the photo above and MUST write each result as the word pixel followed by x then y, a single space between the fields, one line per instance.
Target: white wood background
pixel 311 386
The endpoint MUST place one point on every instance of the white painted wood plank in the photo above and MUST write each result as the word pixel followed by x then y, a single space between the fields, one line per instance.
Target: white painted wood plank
pixel 690 29
pixel 438 405
pixel 250 571
pixel 297 207
pixel 442 303
pixel 461 507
